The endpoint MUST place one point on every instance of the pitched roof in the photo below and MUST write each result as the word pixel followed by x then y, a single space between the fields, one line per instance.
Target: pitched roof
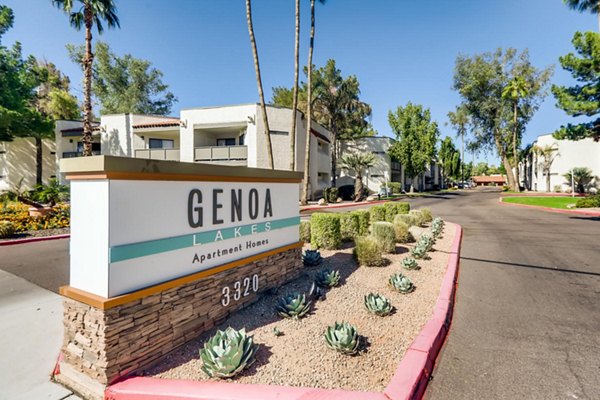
pixel 159 124
pixel 489 178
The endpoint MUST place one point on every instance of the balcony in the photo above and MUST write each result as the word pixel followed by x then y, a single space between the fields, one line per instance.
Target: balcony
pixel 158 154
pixel 232 155
pixel 73 154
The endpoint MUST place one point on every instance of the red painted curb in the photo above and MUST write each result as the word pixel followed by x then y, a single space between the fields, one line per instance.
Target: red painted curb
pixel 408 383
pixel 556 210
pixel 34 239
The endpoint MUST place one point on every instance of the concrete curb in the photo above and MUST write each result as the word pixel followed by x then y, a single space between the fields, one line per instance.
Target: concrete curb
pixel 408 383
pixel 33 239
pixel 556 210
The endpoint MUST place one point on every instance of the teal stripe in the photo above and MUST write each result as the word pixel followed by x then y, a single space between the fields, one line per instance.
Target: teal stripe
pixel 142 249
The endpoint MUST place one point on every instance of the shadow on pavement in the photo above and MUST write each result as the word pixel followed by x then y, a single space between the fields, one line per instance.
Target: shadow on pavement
pixel 532 266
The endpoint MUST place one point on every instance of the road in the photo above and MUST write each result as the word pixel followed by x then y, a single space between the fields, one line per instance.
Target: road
pixel 527 315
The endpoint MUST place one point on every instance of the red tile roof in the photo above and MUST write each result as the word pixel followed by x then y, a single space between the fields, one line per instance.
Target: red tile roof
pixel 489 179
pixel 162 124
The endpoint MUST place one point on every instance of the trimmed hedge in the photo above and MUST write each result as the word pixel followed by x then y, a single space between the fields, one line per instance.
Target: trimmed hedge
pixel 364 220
pixel 406 218
pixel 325 231
pixel 427 216
pixel 377 213
pixel 367 251
pixel 401 229
pixel 349 226
pixel 394 208
pixel 384 233
pixel 418 217
pixel 396 187
pixel 588 202
pixel 305 231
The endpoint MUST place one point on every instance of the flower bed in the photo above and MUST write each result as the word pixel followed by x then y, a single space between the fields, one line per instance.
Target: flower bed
pixel 299 356
pixel 18 214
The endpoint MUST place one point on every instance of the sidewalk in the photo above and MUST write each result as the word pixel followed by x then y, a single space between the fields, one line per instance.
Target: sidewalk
pixel 30 338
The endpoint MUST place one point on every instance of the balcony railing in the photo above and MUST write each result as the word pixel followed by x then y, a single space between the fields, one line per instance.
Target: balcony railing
pixel 158 154
pixel 73 154
pixel 221 153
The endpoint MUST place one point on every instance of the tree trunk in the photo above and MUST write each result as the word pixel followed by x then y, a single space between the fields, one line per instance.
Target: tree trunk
pixel 38 160
pixel 304 199
pixel 515 155
pixel 462 157
pixel 261 95
pixel 548 180
pixel 358 188
pixel 333 158
pixel 87 83
pixel 412 184
pixel 509 174
pixel 295 94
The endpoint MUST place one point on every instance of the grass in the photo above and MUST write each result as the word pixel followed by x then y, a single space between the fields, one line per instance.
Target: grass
pixel 552 202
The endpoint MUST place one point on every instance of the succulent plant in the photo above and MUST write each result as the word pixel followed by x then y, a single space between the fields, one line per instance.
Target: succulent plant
pixel 378 304
pixel 293 306
pixel 342 337
pixel 315 292
pixel 312 258
pixel 327 278
pixel 277 332
pixel 409 263
pixel 436 231
pixel 438 224
pixel 419 251
pixel 427 241
pixel 227 353
pixel 401 283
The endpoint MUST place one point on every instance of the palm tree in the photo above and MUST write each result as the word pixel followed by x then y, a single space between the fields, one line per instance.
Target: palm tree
pixel 261 95
pixel 91 12
pixel 358 162
pixel 460 120
pixel 516 89
pixel 305 182
pixel 592 6
pixel 581 177
pixel 548 153
pixel 295 93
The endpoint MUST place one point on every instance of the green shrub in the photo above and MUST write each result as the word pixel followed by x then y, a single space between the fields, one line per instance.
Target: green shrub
pixel 426 213
pixel 384 234
pixel 418 217
pixel 305 231
pixel 349 226
pixel 325 231
pixel 330 194
pixel 7 229
pixel 367 251
pixel 377 213
pixel 364 220
pixel 394 208
pixel 396 187
pixel 401 230
pixel 588 202
pixel 406 218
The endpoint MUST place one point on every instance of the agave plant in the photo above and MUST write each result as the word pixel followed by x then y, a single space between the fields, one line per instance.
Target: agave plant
pixel 427 241
pixel 419 251
pixel 436 231
pixel 293 306
pixel 312 258
pixel 342 337
pixel 327 278
pixel 438 224
pixel 378 304
pixel 316 293
pixel 227 353
pixel 401 283
pixel 409 263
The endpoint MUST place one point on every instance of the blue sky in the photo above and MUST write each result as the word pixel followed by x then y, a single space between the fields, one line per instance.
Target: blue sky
pixel 400 50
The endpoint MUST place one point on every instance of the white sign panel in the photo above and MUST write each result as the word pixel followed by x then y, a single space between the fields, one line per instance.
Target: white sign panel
pixel 160 230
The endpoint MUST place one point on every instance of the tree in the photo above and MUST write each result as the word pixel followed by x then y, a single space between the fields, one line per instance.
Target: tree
pixel 54 102
pixel 516 90
pixel 546 156
pixel 459 119
pixel 295 88
pixel 450 160
pixel 592 6
pixel 480 169
pixel 261 95
pixel 91 13
pixel 311 46
pixel 582 178
pixel 358 163
pixel 582 99
pixel 416 138
pixel 480 81
pixel 125 84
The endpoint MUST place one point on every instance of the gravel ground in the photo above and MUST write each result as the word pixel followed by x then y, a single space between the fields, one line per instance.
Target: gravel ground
pixel 40 233
pixel 300 357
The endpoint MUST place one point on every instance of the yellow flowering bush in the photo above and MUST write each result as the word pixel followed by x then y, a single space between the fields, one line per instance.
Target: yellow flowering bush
pixel 18 215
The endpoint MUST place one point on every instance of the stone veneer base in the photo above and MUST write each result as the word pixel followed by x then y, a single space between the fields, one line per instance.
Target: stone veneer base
pixel 102 345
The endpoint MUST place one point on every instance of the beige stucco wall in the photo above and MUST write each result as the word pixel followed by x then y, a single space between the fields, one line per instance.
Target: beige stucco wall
pixel 17 160
pixel 376 174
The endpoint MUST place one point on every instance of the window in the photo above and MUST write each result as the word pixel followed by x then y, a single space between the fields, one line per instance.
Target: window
pixel 95 147
pixel 226 142
pixel 285 133
pixel 161 143
pixel 241 139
